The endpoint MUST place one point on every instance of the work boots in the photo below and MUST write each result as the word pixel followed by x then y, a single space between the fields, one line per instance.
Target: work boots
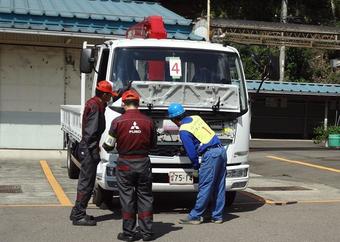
pixel 79 217
pixel 85 221
pixel 125 237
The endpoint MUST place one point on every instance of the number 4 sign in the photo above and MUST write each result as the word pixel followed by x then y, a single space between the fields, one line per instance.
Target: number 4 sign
pixel 175 67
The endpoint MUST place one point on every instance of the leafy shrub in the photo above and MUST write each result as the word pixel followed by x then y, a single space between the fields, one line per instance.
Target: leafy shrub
pixel 320 134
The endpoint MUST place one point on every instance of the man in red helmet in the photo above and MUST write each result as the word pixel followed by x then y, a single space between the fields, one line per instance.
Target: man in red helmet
pixel 93 126
pixel 134 135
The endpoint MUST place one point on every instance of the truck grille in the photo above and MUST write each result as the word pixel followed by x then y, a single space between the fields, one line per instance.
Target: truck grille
pixel 168 150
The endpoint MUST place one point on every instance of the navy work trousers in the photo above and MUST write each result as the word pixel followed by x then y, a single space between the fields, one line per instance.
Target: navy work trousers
pixel 134 180
pixel 87 177
pixel 211 186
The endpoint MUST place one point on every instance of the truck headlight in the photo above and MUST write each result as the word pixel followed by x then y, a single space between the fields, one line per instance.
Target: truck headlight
pixel 237 173
pixel 110 171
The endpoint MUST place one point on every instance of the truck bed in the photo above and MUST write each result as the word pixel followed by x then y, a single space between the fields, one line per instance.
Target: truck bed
pixel 70 119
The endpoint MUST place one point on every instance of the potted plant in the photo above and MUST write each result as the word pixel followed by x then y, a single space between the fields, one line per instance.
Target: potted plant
pixel 330 136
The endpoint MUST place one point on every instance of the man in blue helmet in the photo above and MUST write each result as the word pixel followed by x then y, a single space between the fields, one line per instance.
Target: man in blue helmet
pixel 199 139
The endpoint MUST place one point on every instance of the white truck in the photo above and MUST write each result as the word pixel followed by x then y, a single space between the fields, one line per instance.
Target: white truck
pixel 207 78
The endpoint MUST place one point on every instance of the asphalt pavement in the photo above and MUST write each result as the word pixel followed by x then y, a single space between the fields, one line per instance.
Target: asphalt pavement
pixel 293 195
pixel 304 222
pixel 313 170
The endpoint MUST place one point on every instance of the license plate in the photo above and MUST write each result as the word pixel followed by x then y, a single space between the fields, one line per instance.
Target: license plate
pixel 180 178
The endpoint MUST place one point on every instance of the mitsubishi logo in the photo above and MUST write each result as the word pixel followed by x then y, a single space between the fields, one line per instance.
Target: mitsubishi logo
pixel 134 129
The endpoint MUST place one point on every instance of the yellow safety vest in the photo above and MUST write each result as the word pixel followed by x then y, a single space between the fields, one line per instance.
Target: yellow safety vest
pixel 199 129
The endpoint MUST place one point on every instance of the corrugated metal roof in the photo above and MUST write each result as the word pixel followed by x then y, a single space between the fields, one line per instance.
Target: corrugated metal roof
pixel 297 88
pixel 105 17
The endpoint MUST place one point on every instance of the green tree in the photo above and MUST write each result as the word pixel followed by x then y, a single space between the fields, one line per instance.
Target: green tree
pixel 298 65
pixel 310 65
pixel 302 64
pixel 313 11
pixel 262 53
pixel 307 11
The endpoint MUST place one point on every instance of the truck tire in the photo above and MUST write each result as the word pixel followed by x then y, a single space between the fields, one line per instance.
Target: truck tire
pixel 230 198
pixel 72 169
pixel 101 196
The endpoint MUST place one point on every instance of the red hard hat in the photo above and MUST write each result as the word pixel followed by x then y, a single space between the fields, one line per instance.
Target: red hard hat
pixel 130 95
pixel 105 86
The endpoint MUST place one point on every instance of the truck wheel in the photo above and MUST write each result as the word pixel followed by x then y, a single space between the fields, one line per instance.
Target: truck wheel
pixel 72 169
pixel 230 198
pixel 101 196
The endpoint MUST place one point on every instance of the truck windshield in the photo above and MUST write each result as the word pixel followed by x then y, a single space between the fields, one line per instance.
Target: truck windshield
pixel 177 65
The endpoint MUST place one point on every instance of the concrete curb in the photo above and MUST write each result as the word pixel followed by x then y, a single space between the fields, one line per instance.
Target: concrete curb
pixel 14 154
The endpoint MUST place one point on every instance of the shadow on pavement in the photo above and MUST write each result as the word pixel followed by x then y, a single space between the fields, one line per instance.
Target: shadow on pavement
pixel 182 203
pixel 116 215
pixel 176 202
pixel 162 229
pixel 185 201
pixel 246 201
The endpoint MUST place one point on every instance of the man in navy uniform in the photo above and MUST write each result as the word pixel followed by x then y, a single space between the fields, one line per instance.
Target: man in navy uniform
pixel 199 139
pixel 93 125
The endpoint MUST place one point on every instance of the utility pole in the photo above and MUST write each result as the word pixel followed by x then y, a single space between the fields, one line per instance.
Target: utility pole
pixel 208 19
pixel 333 10
pixel 283 48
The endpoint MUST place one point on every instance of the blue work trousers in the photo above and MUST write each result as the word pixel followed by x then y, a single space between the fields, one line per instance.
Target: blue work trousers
pixel 211 186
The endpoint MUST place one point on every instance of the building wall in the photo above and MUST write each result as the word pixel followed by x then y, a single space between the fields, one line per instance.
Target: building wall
pixel 34 82
pixel 288 116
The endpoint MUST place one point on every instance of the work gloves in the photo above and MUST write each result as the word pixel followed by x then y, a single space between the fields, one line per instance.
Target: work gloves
pixel 196 169
pixel 195 173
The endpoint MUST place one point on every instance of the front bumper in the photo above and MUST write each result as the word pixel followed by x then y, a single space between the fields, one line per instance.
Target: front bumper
pixel 237 178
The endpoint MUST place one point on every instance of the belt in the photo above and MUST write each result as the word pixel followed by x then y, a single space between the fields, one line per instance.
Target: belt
pixel 131 157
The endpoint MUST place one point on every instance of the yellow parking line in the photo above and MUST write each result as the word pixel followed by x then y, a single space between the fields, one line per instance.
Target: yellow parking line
pixel 321 201
pixel 59 192
pixel 304 164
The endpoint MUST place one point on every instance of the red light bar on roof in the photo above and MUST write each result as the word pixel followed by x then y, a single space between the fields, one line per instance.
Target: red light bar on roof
pixel 150 27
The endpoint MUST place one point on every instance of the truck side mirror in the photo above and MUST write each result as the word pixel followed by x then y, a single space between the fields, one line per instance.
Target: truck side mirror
pixel 86 61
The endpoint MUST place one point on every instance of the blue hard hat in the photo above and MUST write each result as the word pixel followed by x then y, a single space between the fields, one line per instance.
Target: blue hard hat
pixel 175 109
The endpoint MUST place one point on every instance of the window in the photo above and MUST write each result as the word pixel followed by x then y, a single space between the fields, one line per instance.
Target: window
pixel 177 65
